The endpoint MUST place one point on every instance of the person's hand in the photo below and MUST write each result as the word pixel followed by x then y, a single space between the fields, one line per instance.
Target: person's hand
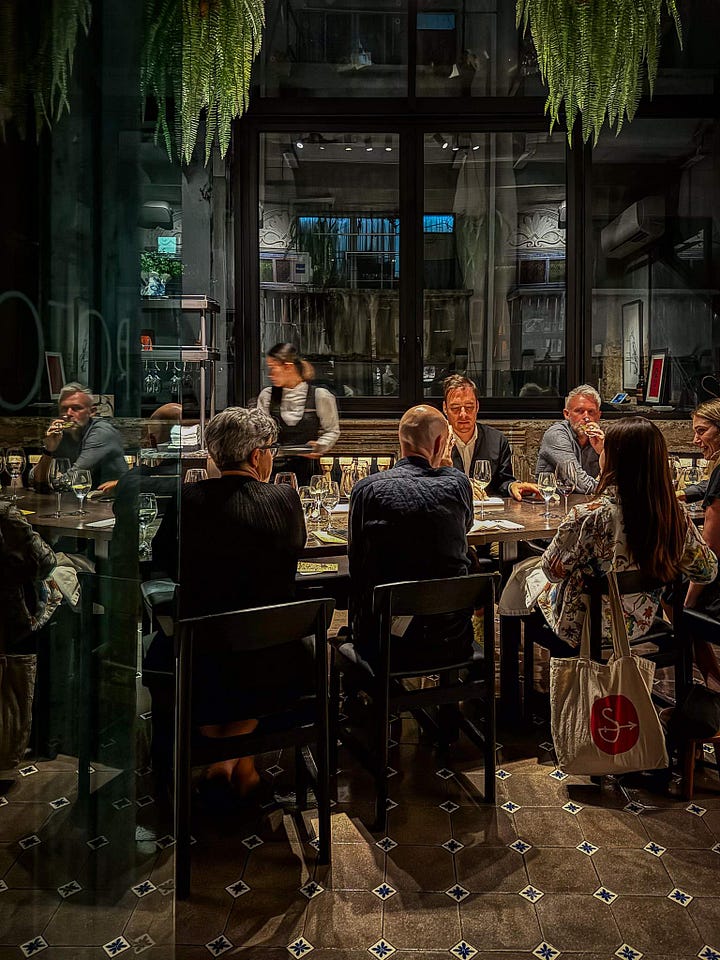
pixel 317 452
pixel 108 486
pixel 54 434
pixel 596 436
pixel 520 488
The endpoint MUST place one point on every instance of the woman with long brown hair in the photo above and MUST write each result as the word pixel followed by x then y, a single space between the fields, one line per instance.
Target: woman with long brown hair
pixel 634 523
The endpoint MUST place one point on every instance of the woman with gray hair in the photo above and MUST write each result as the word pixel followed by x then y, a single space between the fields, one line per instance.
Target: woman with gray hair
pixel 240 542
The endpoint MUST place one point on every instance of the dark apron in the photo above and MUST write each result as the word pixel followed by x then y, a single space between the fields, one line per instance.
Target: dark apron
pixel 307 428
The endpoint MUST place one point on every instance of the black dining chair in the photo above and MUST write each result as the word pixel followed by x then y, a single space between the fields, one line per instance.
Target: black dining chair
pixel 295 719
pixel 469 680
pixel 699 626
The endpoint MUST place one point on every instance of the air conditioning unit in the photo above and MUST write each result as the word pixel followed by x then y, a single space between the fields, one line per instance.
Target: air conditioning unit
pixel 285 268
pixel 635 228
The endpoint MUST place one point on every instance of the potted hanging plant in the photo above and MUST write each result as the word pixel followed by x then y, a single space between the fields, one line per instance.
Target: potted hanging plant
pixel 594 56
pixel 155 271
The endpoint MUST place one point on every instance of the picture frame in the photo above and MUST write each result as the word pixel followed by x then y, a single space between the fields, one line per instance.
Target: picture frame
pixel 657 377
pixel 55 373
pixel 632 343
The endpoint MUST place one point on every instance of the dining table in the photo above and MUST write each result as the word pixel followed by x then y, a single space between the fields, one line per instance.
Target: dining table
pixel 95 525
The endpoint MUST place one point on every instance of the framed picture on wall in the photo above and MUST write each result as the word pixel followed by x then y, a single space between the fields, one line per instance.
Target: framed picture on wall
pixel 632 343
pixel 657 377
pixel 56 373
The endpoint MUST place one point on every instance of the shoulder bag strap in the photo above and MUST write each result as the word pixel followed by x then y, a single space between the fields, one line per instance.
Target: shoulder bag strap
pixel 621 645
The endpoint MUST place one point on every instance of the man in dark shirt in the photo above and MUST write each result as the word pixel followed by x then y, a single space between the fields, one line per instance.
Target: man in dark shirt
pixel 88 441
pixel 411 523
pixel 473 441
pixel 578 437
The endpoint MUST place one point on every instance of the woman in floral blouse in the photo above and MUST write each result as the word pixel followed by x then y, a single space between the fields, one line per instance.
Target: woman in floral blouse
pixel 635 522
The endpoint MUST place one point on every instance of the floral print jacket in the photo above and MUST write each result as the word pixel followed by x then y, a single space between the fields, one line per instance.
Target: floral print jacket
pixel 591 541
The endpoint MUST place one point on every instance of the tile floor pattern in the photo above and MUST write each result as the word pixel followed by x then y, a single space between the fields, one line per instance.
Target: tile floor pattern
pixel 555 868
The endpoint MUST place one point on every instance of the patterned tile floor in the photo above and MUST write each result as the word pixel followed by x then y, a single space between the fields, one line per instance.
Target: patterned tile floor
pixel 556 867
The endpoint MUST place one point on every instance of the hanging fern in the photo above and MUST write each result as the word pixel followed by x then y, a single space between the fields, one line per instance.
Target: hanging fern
pixel 594 54
pixel 37 49
pixel 200 54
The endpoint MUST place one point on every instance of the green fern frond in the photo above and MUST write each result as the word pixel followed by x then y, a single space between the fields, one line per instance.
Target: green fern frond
pixel 594 56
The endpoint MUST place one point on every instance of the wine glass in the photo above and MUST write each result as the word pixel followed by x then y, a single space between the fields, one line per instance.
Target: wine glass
pixel 15 461
pixel 81 483
pixel 330 498
pixel 195 474
pixel 566 478
pixel 286 477
pixel 482 475
pixel 307 499
pixel 59 481
pixel 676 471
pixel 547 485
pixel 317 485
pixel 147 514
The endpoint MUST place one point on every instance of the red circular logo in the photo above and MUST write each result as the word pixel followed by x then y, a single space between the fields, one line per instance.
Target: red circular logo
pixel 614 724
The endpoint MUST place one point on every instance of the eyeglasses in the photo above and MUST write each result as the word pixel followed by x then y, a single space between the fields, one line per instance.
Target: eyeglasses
pixel 273 448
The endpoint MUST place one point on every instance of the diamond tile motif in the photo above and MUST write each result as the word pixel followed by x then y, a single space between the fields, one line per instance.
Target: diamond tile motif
pixel 655 849
pixel 218 946
pixel 444 773
pixel 604 895
pixel 382 949
pixel 626 952
pixel 145 801
pixel 27 842
pixel 166 887
pixel 69 888
pixel 558 775
pixel 142 943
pixel 4 801
pixel 28 771
pixel 164 842
pixel 314 843
pixel 457 893
pixel 275 770
pixel 237 889
pixel 392 743
pixel 452 845
pixel 520 846
pixel 696 810
pixel 531 893
pixel 547 745
pixel 502 774
pixel 587 848
pixel 311 889
pixel 143 888
pixel 448 806
pixel 384 891
pixel 679 896
pixel 390 804
pixel 121 803
pixel 300 947
pixel 114 947
pixel 709 953
pixel 143 771
pixel 463 950
pixel 387 844
pixel 3 886
pixel 98 842
pixel 252 841
pixel 510 807
pixel 146 716
pixel 60 803
pixel 573 808
pixel 634 807
pixel 715 848
pixel 34 946
pixel 545 951
pixel 390 772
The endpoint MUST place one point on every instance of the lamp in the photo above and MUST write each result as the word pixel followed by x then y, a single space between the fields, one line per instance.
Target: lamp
pixel 440 140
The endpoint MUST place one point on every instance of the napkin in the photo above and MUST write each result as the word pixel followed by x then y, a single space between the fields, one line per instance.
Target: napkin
pixel 490 502
pixel 110 522
pixel 324 537
pixel 483 525
pixel 308 569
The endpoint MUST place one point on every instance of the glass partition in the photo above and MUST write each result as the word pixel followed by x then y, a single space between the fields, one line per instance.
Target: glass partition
pixel 329 248
pixel 494 254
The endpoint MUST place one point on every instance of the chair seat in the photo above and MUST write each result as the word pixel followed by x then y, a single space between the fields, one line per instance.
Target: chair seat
pixel 350 654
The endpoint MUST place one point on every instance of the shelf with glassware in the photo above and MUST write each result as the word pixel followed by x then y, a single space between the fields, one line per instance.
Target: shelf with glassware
pixel 187 318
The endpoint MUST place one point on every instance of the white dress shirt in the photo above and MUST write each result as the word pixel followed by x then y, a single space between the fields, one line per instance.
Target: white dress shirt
pixel 292 407
pixel 466 450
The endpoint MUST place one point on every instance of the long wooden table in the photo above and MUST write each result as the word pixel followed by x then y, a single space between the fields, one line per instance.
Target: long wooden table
pixel 40 505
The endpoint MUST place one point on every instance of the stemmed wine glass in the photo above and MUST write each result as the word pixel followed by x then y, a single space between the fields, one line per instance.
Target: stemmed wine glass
pixel 59 481
pixel 330 498
pixel 286 477
pixel 147 514
pixel 547 485
pixel 81 483
pixel 318 484
pixel 15 461
pixel 195 474
pixel 307 500
pixel 676 471
pixel 566 478
pixel 482 475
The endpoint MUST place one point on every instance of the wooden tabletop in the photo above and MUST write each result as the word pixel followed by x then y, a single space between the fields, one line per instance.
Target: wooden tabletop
pixel 530 514
pixel 42 504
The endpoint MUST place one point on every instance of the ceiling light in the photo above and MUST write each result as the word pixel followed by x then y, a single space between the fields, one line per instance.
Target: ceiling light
pixel 440 139
pixel 388 144
pixel 300 145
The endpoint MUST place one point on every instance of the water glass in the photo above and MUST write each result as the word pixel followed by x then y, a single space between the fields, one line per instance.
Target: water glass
pixel 15 462
pixel 566 478
pixel 307 500
pixel 482 475
pixel 147 515
pixel 59 481
pixel 547 485
pixel 286 477
pixel 330 498
pixel 195 474
pixel 81 483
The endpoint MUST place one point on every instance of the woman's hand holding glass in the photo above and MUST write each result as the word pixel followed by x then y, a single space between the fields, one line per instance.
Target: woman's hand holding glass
pixel 81 483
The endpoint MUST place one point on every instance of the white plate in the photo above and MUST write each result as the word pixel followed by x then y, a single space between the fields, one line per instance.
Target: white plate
pixel 490 502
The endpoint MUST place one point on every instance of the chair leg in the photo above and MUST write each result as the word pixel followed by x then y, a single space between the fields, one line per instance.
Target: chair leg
pixel 322 789
pixel 688 775
pixel 528 673
pixel 382 733
pixel 334 722
pixel 301 778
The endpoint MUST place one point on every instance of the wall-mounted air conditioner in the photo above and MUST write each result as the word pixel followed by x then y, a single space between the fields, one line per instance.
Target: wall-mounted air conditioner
pixel 285 268
pixel 635 228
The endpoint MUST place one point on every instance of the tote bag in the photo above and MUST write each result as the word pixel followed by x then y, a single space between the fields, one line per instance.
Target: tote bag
pixel 601 715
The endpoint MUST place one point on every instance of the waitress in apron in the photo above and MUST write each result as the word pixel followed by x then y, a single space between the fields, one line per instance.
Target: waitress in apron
pixel 306 416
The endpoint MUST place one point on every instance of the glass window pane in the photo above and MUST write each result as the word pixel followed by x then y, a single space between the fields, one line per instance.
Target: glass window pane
pixel 330 256
pixel 656 218
pixel 473 49
pixel 494 241
pixel 332 49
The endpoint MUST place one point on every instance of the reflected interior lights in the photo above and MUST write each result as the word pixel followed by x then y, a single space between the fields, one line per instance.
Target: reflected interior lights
pixel 440 139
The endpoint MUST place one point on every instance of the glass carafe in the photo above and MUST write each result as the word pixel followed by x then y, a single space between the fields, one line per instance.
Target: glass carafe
pixel 351 473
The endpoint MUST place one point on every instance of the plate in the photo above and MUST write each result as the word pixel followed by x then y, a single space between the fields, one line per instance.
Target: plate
pixel 294 450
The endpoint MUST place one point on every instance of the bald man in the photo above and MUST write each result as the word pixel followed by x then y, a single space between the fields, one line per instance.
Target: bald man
pixel 411 523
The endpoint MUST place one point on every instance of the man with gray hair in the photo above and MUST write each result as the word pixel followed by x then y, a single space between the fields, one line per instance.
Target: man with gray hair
pixel 578 437
pixel 88 441
pixel 411 523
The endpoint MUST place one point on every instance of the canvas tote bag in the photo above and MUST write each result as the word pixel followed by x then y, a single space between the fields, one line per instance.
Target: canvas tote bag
pixel 17 686
pixel 601 715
